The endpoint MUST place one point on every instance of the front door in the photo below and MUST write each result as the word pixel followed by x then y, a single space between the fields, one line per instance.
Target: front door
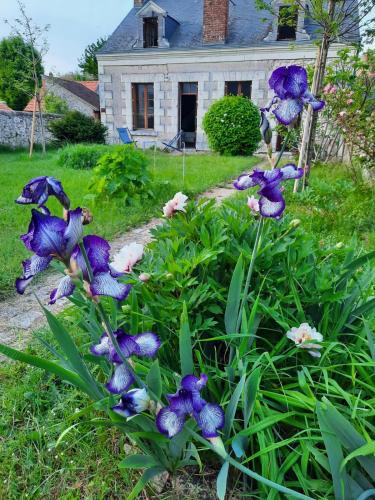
pixel 188 112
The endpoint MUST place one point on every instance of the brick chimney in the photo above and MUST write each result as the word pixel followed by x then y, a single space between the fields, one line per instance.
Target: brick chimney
pixel 215 21
pixel 138 3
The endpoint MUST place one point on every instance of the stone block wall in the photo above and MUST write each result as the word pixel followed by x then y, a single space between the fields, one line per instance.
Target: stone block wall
pixel 15 128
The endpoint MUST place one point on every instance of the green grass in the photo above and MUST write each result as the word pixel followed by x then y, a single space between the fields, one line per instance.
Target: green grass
pixel 111 218
pixel 35 410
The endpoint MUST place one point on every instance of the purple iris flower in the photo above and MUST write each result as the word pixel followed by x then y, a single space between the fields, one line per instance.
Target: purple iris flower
pixel 133 402
pixel 145 344
pixel 292 93
pixel 39 189
pixel 104 281
pixel 271 202
pixel 50 237
pixel 188 402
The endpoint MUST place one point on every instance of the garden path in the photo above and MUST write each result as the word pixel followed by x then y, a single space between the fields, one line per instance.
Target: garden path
pixel 21 315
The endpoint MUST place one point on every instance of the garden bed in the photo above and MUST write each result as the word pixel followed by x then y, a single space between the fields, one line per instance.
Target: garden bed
pixel 42 460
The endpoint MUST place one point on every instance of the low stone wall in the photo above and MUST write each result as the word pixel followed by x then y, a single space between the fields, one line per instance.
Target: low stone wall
pixel 15 128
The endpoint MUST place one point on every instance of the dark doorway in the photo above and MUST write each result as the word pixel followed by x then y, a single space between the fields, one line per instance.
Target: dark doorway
pixel 188 113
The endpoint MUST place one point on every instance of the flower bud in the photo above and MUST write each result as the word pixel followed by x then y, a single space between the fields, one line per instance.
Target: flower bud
pixel 126 308
pixel 144 277
pixel 87 217
pixel 295 222
pixel 265 128
pixel 340 245
pixel 169 276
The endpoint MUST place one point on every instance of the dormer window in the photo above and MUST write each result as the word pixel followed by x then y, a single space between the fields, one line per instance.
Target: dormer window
pixel 150 32
pixel 287 23
pixel 155 26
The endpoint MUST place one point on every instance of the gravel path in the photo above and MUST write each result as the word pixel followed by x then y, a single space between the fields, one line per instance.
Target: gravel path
pixel 21 315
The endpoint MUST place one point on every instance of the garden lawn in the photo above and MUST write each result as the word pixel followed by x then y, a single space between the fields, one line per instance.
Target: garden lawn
pixel 111 217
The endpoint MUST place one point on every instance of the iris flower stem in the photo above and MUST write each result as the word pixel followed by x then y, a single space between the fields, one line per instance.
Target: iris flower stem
pixel 248 472
pixel 107 323
pixel 283 147
pixel 250 272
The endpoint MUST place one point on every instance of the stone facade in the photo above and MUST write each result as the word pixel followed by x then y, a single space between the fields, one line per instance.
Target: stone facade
pixel 15 128
pixel 210 68
pixel 74 102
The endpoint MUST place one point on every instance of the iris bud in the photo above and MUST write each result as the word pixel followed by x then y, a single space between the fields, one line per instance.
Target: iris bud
pixel 295 222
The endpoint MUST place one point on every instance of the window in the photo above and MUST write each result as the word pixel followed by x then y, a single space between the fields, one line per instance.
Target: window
pixel 287 23
pixel 150 32
pixel 238 88
pixel 143 105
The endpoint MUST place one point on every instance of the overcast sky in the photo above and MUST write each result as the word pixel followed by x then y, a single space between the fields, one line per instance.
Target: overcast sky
pixel 73 25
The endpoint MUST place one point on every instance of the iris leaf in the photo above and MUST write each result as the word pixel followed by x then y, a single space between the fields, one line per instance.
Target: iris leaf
pixel 186 352
pixel 234 297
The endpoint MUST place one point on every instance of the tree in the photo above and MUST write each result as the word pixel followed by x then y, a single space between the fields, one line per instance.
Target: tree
pixel 16 85
pixel 88 63
pixel 54 104
pixel 33 36
pixel 336 21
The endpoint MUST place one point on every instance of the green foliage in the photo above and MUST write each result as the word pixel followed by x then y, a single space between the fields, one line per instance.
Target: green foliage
pixel 75 127
pixel 16 82
pixel 232 126
pixel 88 62
pixel 123 172
pixel 81 156
pixel 54 104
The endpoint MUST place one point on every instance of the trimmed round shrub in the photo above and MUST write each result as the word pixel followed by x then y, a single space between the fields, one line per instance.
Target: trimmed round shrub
pixel 232 126
pixel 75 127
pixel 81 156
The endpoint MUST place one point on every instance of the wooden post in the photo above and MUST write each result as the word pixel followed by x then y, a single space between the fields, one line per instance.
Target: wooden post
pixel 32 133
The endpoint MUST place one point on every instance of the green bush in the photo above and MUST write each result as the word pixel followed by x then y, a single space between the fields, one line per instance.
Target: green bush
pixel 54 104
pixel 75 127
pixel 122 172
pixel 282 405
pixel 232 126
pixel 81 156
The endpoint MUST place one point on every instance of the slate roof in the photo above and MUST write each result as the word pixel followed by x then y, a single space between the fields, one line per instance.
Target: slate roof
pixel 86 90
pixel 80 91
pixel 246 27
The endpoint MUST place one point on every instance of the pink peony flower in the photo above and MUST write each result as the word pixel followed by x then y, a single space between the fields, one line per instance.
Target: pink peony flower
pixel 127 257
pixel 253 204
pixel 306 337
pixel 176 204
pixel 333 90
pixel 327 88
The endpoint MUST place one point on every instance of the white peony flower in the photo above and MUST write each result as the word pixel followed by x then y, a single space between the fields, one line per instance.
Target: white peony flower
pixel 306 337
pixel 176 204
pixel 127 257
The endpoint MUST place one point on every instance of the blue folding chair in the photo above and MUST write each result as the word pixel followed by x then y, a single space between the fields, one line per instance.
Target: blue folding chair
pixel 125 136
pixel 174 144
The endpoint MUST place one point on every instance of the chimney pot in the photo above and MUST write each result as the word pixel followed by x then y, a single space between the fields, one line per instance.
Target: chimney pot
pixel 138 3
pixel 215 21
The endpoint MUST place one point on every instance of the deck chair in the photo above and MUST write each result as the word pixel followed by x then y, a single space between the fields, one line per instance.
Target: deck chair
pixel 174 144
pixel 126 136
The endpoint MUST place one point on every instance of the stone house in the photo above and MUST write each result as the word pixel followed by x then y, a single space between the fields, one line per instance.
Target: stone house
pixel 79 95
pixel 169 60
